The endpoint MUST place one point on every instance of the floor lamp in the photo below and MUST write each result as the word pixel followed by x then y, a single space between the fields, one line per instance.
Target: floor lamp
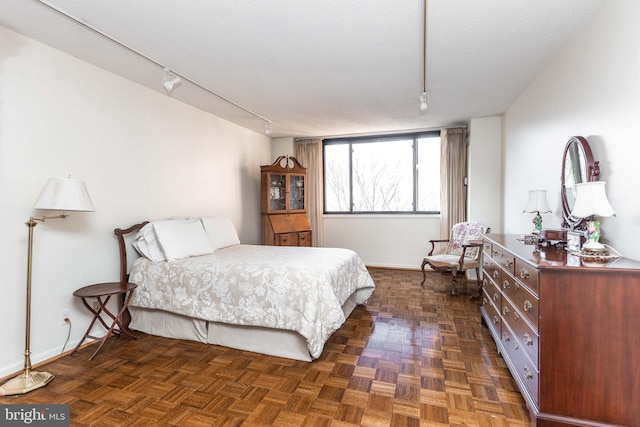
pixel 59 194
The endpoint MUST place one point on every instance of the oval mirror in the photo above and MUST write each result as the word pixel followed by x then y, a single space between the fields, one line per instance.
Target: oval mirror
pixel 577 166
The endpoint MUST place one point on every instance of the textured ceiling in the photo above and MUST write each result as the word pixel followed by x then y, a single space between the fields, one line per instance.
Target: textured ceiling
pixel 322 67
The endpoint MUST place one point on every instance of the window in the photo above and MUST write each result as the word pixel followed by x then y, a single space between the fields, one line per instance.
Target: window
pixel 390 174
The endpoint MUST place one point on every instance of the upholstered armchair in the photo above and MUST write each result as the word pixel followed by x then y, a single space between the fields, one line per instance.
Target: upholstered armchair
pixel 462 251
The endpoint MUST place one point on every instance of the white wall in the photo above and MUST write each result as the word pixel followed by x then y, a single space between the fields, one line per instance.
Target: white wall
pixel 143 156
pixel 485 172
pixel 399 241
pixel 592 89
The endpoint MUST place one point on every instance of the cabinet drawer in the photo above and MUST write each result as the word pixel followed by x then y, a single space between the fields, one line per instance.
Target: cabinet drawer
pixel 505 259
pixel 288 239
pixel 523 369
pixel 523 300
pixel 526 336
pixel 304 238
pixel 527 274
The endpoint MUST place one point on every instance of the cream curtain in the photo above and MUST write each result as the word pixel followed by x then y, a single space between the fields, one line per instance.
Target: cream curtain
pixel 453 171
pixel 309 154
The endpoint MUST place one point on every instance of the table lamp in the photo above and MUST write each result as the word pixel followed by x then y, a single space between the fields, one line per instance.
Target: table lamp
pixel 537 203
pixel 591 201
pixel 59 194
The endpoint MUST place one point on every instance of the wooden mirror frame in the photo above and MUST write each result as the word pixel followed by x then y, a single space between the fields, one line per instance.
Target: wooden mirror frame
pixel 577 148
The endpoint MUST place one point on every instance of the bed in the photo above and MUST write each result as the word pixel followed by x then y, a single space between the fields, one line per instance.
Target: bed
pixel 196 281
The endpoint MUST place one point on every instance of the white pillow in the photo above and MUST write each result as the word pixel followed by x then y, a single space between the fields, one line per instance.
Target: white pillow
pixel 182 239
pixel 221 232
pixel 146 243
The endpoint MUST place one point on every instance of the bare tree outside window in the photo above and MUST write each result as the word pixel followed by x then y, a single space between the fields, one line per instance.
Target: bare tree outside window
pixel 393 174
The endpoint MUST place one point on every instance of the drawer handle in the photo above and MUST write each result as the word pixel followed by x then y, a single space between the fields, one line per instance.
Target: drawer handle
pixel 496 297
pixel 517 286
pixel 527 339
pixel 505 311
pixel 484 282
pixel 494 253
pixel 506 285
pixel 527 373
pixel 496 274
pixel 484 301
pixel 495 319
pixel 515 314
pixel 505 336
pixel 509 263
pixel 527 306
pixel 524 274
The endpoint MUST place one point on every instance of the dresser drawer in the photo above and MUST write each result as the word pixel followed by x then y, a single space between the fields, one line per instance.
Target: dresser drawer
pixel 491 269
pixel 493 319
pixel 527 274
pixel 521 298
pixel 522 331
pixel 504 258
pixel 494 293
pixel 525 371
pixel 486 247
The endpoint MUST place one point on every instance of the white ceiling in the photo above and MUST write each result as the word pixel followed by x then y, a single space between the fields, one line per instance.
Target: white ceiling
pixel 317 67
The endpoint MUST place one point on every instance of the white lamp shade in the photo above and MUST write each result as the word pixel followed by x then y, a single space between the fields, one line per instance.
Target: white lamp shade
pixel 537 202
pixel 591 199
pixel 64 194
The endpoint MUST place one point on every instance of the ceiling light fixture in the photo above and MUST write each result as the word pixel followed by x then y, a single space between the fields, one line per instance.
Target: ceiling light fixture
pixel 423 97
pixel 181 77
pixel 267 128
pixel 170 79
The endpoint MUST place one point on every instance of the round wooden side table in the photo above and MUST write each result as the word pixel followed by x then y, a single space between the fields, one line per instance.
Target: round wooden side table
pixel 102 292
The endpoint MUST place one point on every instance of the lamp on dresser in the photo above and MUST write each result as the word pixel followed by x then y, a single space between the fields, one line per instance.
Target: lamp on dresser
pixel 591 201
pixel 59 194
pixel 537 203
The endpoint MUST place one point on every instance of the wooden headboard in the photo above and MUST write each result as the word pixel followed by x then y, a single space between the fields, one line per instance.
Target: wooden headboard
pixel 122 245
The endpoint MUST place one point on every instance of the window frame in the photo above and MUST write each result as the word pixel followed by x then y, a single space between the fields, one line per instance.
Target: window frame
pixel 373 139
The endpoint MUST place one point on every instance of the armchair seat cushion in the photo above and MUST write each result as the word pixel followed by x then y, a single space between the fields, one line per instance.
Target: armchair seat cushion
pixel 450 261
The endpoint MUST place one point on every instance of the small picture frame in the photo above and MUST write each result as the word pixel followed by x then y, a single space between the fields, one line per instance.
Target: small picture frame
pixel 575 240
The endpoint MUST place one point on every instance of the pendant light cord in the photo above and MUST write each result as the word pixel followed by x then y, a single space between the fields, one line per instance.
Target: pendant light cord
pixel 424 46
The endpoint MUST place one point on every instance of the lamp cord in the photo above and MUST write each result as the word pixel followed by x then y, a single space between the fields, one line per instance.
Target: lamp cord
pixel 68 336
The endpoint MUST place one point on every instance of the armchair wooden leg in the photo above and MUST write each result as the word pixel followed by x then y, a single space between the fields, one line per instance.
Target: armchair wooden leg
pixel 424 273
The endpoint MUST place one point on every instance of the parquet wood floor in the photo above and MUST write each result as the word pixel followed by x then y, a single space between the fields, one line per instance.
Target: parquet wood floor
pixel 410 357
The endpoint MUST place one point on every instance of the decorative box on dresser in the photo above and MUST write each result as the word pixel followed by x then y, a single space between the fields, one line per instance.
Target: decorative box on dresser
pixel 283 210
pixel 569 332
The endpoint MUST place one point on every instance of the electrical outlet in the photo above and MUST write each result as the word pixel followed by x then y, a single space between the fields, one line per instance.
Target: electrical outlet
pixel 64 315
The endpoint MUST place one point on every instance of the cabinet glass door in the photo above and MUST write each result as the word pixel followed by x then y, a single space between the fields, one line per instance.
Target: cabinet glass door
pixel 277 192
pixel 296 192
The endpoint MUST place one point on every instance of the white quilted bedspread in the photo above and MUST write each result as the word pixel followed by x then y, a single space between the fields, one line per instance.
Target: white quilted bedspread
pixel 292 288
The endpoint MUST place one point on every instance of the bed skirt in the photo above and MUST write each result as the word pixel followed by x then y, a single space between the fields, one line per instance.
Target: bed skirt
pixel 273 342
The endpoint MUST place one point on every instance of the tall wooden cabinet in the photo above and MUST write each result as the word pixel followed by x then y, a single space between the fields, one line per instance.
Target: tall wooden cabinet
pixel 569 332
pixel 283 209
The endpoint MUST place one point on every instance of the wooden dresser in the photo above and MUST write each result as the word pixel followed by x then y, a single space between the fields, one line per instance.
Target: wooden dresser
pixel 569 333
pixel 284 219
